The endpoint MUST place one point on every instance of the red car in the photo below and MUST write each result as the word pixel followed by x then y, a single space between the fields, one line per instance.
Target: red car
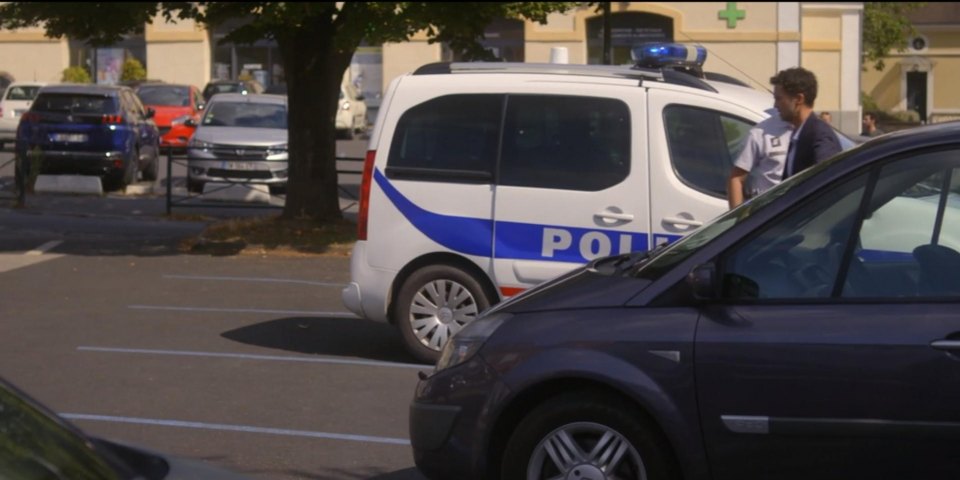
pixel 177 108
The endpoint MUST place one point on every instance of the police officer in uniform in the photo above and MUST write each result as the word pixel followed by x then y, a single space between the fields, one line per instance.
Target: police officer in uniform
pixel 760 164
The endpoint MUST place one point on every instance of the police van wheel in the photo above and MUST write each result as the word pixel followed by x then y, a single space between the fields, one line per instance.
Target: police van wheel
pixel 434 303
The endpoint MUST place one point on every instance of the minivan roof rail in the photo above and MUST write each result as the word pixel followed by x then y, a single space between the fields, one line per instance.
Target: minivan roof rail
pixel 665 75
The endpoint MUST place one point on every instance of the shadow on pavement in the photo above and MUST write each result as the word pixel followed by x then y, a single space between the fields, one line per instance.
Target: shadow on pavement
pixel 346 337
pixel 354 474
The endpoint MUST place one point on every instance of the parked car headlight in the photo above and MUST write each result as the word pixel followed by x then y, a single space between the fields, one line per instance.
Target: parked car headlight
pixel 194 143
pixel 277 149
pixel 467 342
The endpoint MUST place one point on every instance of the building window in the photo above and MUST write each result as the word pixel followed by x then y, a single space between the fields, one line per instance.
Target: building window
pixel 504 38
pixel 626 30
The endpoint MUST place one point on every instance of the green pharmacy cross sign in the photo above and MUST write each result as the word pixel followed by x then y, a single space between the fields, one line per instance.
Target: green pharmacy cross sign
pixel 732 15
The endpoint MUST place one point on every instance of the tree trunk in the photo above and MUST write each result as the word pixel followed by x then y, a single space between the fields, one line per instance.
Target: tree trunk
pixel 314 70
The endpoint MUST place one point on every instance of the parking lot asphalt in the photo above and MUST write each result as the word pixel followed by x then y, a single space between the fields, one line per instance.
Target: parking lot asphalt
pixel 247 362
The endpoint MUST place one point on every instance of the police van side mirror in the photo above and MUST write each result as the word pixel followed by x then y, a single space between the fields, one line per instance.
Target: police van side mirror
pixel 702 281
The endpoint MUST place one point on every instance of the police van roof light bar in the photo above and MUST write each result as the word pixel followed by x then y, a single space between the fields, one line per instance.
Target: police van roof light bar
pixel 659 55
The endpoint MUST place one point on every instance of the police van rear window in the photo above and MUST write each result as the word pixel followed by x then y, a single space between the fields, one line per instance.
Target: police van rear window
pixel 565 142
pixel 548 141
pixel 452 138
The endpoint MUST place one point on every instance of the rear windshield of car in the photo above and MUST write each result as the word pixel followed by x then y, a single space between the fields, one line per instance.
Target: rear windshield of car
pixel 249 115
pixel 221 88
pixel 22 92
pixel 164 95
pixel 74 103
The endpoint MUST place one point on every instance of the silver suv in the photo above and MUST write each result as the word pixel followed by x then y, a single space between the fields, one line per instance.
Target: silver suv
pixel 240 139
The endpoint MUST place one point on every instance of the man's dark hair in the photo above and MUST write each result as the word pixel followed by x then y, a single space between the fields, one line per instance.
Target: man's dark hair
pixel 873 116
pixel 795 81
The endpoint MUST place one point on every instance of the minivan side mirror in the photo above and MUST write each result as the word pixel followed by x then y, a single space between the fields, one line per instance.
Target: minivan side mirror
pixel 702 281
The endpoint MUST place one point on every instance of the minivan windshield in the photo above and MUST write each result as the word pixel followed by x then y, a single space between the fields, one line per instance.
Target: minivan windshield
pixel 165 95
pixel 34 444
pixel 246 114
pixel 680 250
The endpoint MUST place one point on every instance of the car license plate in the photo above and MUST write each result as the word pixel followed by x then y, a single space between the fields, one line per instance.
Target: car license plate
pixel 68 137
pixel 240 166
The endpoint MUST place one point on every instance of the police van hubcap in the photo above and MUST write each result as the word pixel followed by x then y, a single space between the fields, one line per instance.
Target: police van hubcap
pixel 440 309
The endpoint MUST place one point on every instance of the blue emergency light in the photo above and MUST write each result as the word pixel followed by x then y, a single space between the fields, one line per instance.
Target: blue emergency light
pixel 659 55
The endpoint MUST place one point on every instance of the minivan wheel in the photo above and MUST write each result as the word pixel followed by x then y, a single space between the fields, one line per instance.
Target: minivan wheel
pixel 434 303
pixel 585 436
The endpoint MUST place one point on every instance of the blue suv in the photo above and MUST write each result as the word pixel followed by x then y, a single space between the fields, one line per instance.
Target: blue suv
pixel 812 332
pixel 90 130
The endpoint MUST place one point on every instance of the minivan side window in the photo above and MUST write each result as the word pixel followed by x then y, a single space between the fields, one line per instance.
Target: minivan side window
pixel 453 138
pixel 800 255
pixel 565 142
pixel 703 145
pixel 909 244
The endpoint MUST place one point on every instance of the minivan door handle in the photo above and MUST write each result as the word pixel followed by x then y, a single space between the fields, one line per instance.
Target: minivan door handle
pixel 683 221
pixel 613 216
pixel 947 345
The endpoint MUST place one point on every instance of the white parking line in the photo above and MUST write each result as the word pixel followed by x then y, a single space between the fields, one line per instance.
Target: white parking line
pixel 253 279
pixel 310 313
pixel 236 428
pixel 44 248
pixel 244 356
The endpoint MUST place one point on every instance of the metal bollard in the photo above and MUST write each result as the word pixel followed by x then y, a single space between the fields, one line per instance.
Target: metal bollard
pixel 169 180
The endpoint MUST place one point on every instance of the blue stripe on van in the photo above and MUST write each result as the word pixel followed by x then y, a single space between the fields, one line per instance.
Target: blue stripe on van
pixel 514 240
pixel 470 236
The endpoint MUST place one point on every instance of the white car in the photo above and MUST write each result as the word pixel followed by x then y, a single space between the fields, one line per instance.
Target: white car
pixel 15 102
pixel 351 112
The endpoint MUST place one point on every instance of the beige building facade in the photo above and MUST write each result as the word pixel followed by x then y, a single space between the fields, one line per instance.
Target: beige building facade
pixel 921 78
pixel 174 52
pixel 750 41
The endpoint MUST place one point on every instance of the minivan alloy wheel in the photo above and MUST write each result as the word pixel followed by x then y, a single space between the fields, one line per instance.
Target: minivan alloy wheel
pixel 439 310
pixel 585 451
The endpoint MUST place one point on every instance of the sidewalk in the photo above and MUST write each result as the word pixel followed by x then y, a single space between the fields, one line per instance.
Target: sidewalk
pixel 142 205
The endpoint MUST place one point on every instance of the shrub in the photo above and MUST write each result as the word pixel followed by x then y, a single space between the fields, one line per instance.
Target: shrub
pixel 76 75
pixel 132 70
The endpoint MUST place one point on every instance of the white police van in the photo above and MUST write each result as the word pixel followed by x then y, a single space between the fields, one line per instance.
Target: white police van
pixel 484 179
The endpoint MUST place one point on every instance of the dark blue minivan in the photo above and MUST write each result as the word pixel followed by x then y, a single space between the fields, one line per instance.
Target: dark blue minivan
pixel 812 332
pixel 90 130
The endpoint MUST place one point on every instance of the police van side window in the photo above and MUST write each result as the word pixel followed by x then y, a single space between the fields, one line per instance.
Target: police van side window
pixel 565 142
pixel 453 138
pixel 703 145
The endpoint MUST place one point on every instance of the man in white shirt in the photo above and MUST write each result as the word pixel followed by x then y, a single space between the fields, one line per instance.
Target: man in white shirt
pixel 760 164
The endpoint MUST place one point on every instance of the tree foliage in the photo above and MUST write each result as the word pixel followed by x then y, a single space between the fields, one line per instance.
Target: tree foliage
pixel 885 28
pixel 316 41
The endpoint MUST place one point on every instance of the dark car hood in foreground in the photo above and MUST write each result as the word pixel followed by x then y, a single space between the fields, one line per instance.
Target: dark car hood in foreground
pixel 583 287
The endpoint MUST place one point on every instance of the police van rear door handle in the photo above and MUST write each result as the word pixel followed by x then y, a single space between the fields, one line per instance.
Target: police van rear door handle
pixel 683 221
pixel 608 215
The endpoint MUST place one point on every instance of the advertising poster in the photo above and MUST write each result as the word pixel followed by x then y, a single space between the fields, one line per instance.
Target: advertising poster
pixel 109 65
